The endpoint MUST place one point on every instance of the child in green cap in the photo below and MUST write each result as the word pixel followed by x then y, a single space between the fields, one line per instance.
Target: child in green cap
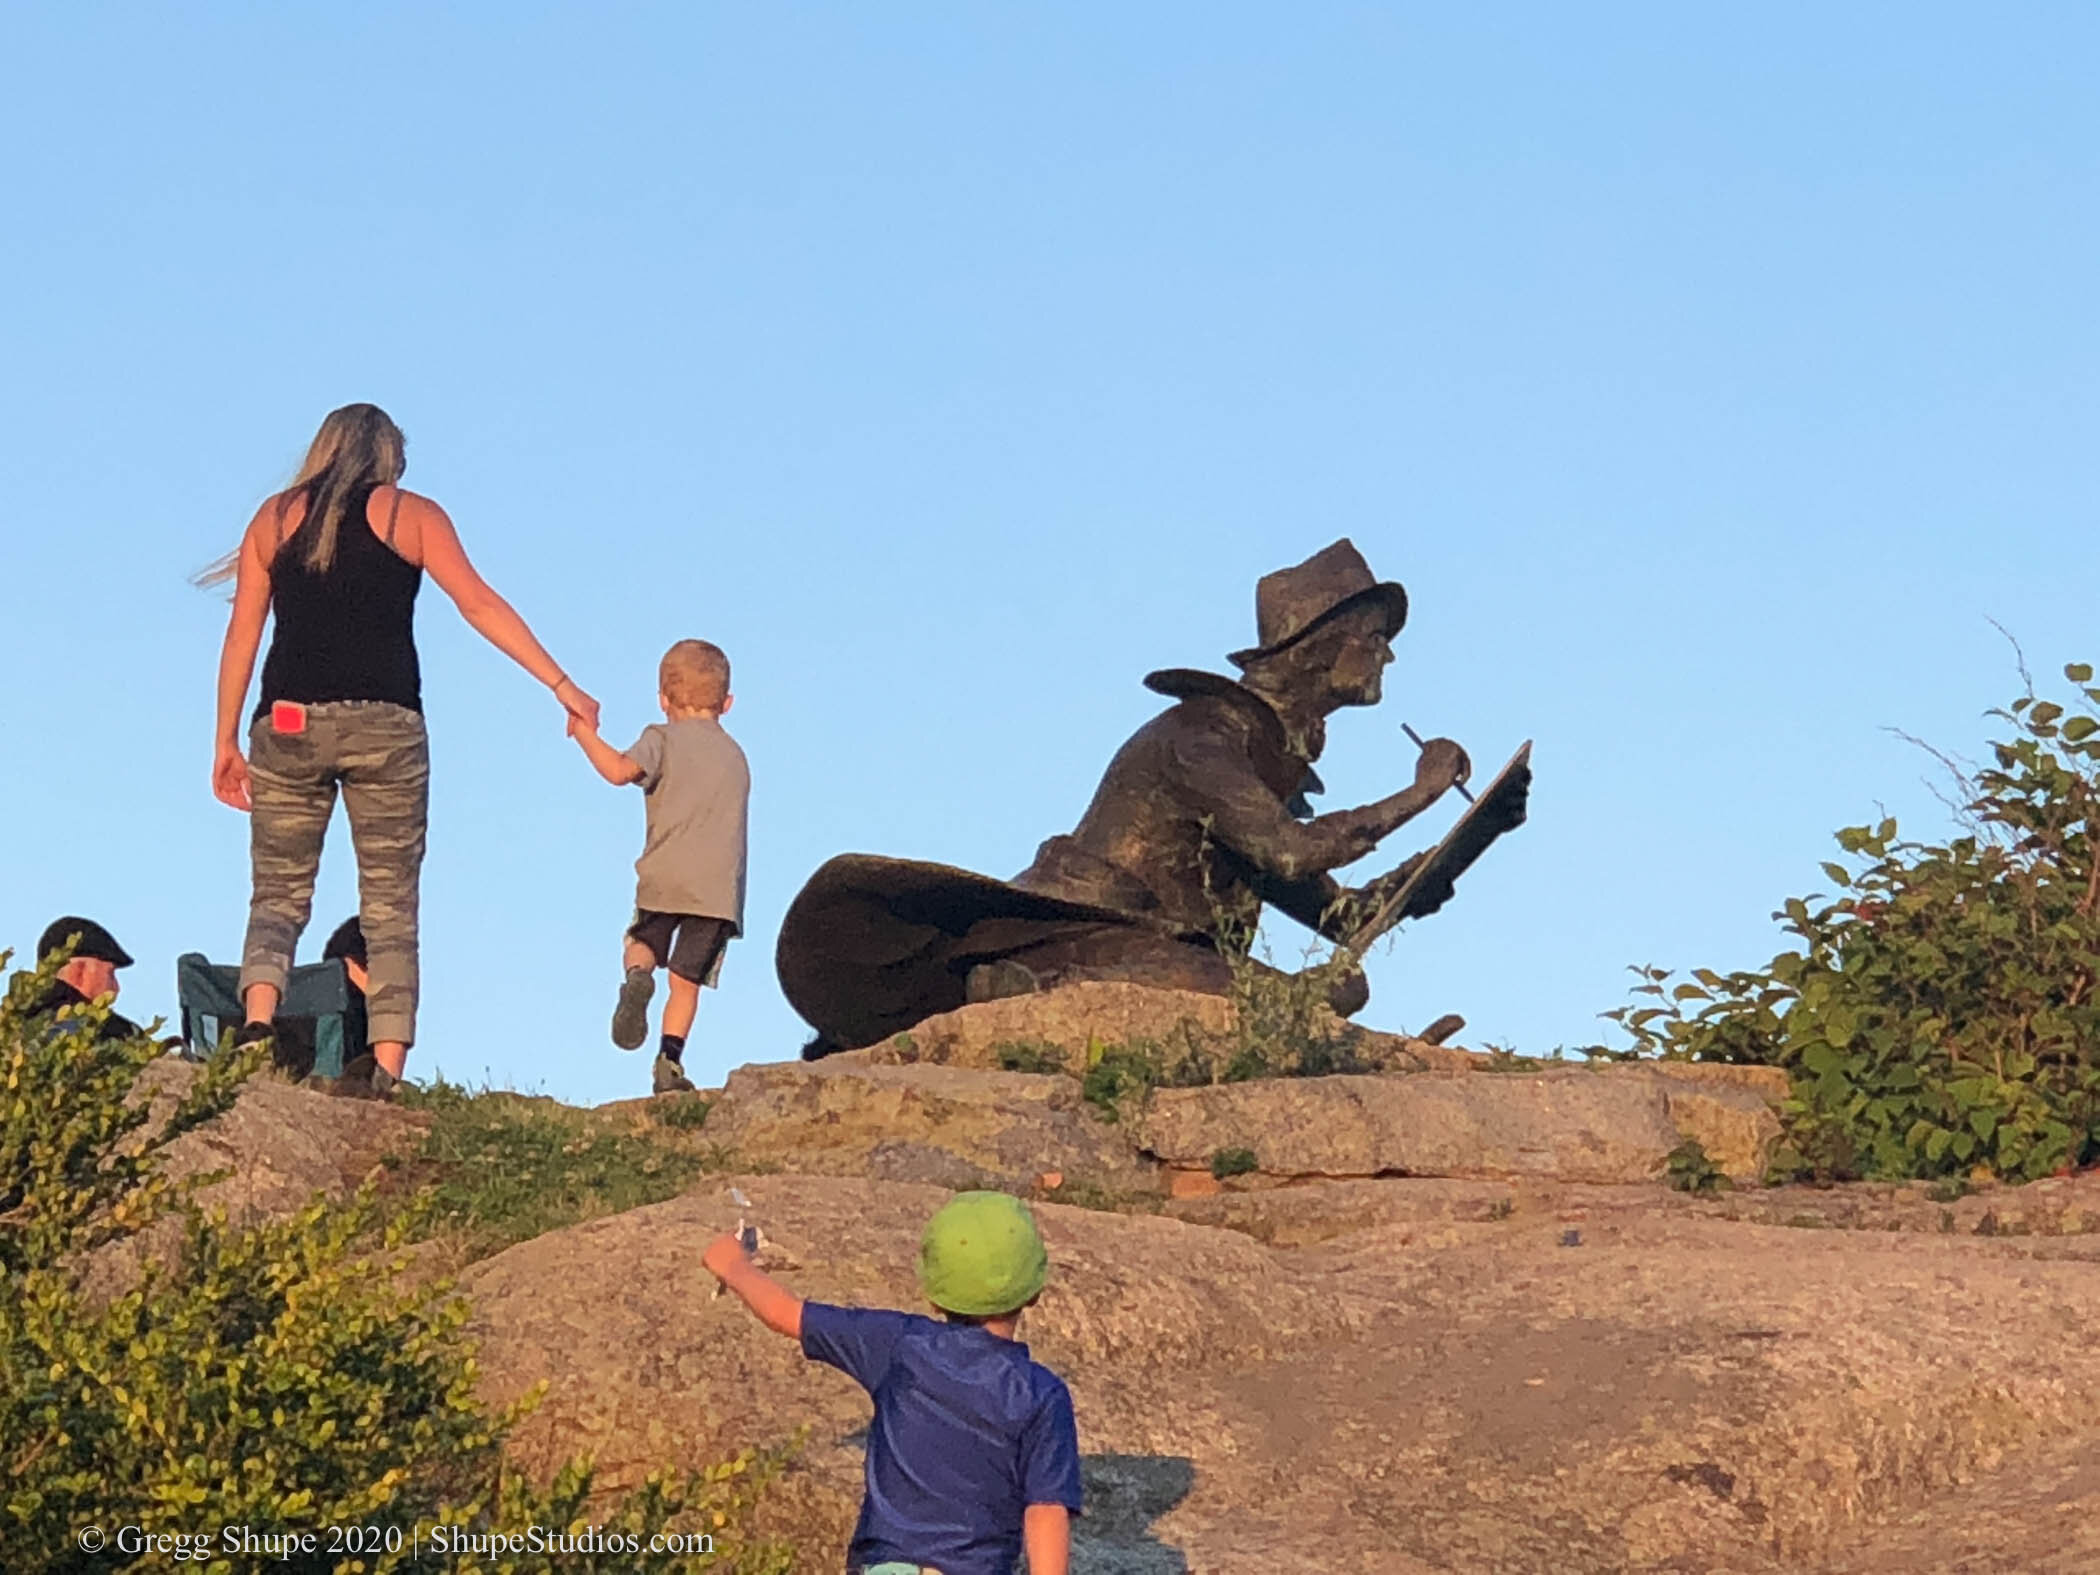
pixel 973 1454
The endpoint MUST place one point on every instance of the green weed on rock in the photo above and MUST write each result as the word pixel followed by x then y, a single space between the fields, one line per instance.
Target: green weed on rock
pixel 497 1168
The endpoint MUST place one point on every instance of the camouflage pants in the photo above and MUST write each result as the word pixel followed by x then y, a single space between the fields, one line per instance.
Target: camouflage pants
pixel 379 755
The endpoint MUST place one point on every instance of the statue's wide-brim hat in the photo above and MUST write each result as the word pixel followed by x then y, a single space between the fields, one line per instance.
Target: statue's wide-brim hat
pixel 1291 603
pixel 871 946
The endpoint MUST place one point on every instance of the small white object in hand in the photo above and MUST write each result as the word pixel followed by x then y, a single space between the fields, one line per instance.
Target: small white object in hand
pixel 750 1235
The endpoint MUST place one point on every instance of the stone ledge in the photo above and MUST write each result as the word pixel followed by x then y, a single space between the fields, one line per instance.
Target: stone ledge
pixel 1616 1125
pixel 948 1125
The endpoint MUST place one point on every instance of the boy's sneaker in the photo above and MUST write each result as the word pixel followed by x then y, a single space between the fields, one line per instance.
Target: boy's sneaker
pixel 630 1024
pixel 668 1077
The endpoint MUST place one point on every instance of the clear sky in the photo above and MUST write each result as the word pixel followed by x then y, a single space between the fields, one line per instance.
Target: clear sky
pixel 1710 375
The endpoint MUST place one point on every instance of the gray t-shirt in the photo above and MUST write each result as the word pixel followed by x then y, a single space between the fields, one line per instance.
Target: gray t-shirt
pixel 698 787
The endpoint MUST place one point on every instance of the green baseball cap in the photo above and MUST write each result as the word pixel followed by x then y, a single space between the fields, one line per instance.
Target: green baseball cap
pixel 981 1256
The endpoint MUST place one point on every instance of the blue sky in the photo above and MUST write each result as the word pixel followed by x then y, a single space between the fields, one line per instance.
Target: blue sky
pixel 1710 376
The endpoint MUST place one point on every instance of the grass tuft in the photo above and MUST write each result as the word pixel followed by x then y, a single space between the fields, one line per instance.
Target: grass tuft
pixel 500 1167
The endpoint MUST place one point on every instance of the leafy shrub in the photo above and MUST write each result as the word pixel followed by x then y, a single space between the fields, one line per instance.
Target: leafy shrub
pixel 1283 1025
pixel 1940 1014
pixel 279 1378
pixel 1283 1022
pixel 1119 1076
pixel 1688 1169
pixel 1233 1162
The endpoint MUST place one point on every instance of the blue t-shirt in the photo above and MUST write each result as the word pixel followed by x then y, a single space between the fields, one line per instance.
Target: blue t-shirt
pixel 968 1432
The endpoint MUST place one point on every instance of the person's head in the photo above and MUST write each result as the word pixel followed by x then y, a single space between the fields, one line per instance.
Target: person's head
pixel 982 1259
pixel 357 446
pixel 92 969
pixel 1326 628
pixel 1351 651
pixel 347 946
pixel 1341 663
pixel 693 680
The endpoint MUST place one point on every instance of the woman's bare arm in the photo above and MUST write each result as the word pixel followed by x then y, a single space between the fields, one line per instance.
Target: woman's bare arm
pixel 244 628
pixel 434 542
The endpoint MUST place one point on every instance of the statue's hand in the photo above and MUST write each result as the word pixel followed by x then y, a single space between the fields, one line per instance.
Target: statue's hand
pixel 1429 897
pixel 1442 764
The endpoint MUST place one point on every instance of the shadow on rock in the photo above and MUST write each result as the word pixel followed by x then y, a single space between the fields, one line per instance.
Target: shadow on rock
pixel 1125 1494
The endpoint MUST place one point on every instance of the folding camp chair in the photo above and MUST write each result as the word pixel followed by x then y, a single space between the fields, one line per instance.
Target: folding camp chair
pixel 314 1020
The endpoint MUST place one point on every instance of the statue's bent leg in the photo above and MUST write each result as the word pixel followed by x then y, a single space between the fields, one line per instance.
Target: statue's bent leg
pixel 998 980
pixel 1129 956
pixel 1100 952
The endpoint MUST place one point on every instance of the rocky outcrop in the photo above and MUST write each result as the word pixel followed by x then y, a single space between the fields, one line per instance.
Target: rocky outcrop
pixel 1441 1384
pixel 933 1105
pixel 1618 1125
pixel 1500 1369
pixel 662 1370
pixel 949 1125
pixel 1059 1026
pixel 275 1149
pixel 280 1143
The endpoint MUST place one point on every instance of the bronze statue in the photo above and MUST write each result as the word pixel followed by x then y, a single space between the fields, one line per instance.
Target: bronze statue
pixel 1201 818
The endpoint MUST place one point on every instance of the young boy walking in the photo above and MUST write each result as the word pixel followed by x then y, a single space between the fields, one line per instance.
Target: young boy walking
pixel 689 897
pixel 973 1454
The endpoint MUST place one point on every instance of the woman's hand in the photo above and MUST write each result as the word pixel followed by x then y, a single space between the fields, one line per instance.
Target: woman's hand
pixel 579 705
pixel 229 777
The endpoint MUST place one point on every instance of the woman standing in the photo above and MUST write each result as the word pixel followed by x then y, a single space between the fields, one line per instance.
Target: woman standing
pixel 338 557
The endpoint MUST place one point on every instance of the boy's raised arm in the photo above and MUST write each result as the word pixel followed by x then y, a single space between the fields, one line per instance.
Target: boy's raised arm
pixel 1046 1535
pixel 777 1307
pixel 616 768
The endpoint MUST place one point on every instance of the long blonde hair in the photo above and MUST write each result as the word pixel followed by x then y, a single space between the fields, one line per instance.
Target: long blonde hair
pixel 358 446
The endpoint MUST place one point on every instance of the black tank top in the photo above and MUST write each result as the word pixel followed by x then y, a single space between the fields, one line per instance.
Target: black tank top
pixel 347 632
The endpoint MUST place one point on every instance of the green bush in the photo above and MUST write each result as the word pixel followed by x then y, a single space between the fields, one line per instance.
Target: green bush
pixel 1283 1024
pixel 1227 1162
pixel 281 1378
pixel 1940 1014
pixel 1119 1076
pixel 1689 1169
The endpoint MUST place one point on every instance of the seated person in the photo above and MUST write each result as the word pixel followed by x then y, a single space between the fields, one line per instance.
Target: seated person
pixel 347 946
pixel 88 975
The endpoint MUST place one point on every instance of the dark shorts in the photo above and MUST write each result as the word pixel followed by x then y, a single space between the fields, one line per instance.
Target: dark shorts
pixel 689 946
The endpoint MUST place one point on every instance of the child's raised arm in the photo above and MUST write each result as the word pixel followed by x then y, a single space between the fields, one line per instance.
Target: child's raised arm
pixel 778 1308
pixel 1046 1534
pixel 616 768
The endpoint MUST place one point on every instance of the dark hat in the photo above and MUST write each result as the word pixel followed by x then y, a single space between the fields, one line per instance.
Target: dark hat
pixel 347 943
pixel 1291 603
pixel 95 941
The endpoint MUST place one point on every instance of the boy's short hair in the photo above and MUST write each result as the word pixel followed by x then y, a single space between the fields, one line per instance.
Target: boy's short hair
pixel 694 676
